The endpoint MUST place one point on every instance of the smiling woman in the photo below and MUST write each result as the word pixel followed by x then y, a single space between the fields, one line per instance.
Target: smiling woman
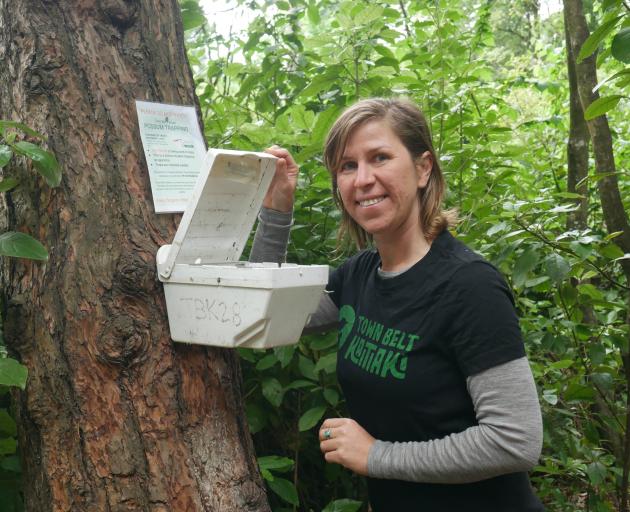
pixel 430 357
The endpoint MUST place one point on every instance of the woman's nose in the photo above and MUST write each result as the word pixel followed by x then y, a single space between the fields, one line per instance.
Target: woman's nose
pixel 364 175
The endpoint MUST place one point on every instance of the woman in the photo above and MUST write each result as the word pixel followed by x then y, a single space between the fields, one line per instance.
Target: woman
pixel 445 415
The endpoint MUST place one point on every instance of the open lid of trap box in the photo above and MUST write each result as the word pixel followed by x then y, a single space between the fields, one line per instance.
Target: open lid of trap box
pixel 222 210
pixel 211 297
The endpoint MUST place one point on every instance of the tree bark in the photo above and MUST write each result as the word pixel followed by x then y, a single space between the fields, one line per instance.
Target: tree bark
pixel 577 147
pixel 115 417
pixel 615 216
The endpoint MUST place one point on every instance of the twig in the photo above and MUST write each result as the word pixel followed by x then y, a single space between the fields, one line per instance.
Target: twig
pixel 587 368
pixel 559 247
pixel 405 17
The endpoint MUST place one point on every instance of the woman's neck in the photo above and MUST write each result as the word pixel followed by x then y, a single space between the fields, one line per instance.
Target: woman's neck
pixel 401 251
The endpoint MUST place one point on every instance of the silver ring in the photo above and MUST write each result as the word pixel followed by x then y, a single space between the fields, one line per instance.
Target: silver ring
pixel 327 434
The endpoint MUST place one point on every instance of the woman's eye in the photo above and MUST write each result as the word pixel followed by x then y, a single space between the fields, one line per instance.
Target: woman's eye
pixel 381 157
pixel 348 166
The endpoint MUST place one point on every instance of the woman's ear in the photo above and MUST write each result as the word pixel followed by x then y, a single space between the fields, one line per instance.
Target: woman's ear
pixel 424 166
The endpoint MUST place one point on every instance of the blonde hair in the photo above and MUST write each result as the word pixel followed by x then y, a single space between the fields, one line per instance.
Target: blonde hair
pixel 409 124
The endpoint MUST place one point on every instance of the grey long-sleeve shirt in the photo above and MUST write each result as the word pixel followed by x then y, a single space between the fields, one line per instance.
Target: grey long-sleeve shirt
pixel 508 437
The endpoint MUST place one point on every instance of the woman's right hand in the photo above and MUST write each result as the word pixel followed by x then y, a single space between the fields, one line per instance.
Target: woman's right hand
pixel 282 188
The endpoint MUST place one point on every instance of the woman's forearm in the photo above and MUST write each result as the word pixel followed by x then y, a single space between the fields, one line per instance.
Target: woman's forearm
pixel 508 438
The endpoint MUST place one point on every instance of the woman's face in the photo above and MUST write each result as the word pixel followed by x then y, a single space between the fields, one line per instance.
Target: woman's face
pixel 378 181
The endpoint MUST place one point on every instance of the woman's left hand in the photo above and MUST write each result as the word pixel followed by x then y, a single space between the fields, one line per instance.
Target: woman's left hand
pixel 343 441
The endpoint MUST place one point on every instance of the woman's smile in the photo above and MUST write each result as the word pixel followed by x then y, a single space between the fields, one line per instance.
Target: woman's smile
pixel 371 202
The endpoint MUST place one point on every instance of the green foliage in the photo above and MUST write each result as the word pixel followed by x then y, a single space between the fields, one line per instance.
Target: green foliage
pixel 15 244
pixel 12 373
pixel 496 95
pixel 595 39
pixel 18 245
pixel 601 105
pixel 620 46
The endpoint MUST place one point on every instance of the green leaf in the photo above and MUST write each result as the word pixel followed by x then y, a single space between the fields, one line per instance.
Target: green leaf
pixel 307 368
pixel 596 472
pixel 620 46
pixel 275 463
pixel 20 126
pixel 44 161
pixel 300 383
pixel 578 392
pixel 267 475
pixel 12 463
pixel 192 15
pixel 388 62
pixel 601 105
pixel 310 418
pixel 256 417
pixel 590 291
pixel 8 184
pixel 285 489
pixel 557 267
pixel 603 380
pixel 8 445
pixel 272 391
pixel 21 245
pixel 284 354
pixel 266 362
pixel 328 363
pixel 607 4
pixel 524 264
pixel 593 41
pixel 5 155
pixel 7 424
pixel 610 251
pixel 323 122
pixel 569 293
pixel 247 353
pixel 12 373
pixel 313 13
pixel 323 342
pixel 550 396
pixel 344 505
pixel 331 396
pixel 562 364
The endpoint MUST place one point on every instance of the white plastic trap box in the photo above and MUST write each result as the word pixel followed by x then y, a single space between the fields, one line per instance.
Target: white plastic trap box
pixel 211 297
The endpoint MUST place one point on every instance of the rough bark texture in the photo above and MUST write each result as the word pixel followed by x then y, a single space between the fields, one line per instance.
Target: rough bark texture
pixel 615 216
pixel 577 172
pixel 115 417
pixel 577 147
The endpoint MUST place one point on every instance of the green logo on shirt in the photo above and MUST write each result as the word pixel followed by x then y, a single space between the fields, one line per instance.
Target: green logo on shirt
pixel 346 314
pixel 374 348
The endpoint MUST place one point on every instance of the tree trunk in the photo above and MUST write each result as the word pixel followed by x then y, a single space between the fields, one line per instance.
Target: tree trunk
pixel 115 417
pixel 577 147
pixel 615 216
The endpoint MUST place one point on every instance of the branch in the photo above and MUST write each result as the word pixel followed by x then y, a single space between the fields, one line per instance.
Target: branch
pixel 559 247
pixel 585 364
pixel 405 17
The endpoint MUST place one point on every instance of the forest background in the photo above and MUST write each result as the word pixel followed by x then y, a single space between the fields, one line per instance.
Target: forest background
pixel 492 77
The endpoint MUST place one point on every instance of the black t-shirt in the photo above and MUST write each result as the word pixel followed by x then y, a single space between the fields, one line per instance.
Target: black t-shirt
pixel 406 346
